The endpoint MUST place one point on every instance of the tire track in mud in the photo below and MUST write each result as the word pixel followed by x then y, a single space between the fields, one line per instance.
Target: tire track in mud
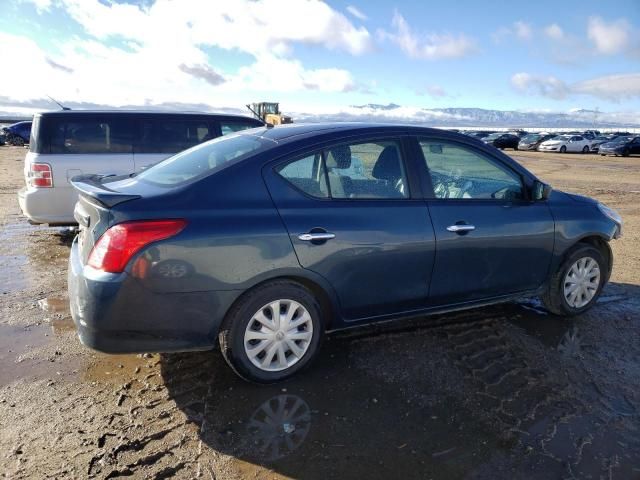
pixel 537 406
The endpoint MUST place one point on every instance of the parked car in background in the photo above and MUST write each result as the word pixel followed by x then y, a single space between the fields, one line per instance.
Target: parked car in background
pixel 502 140
pixel 17 134
pixel 519 133
pixel 566 143
pixel 533 140
pixel 599 140
pixel 71 142
pixel 624 146
pixel 479 134
pixel 260 241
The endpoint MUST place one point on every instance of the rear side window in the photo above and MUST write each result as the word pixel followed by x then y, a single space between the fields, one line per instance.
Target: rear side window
pixel 234 126
pixel 34 141
pixel 91 136
pixel 367 170
pixel 201 160
pixel 160 135
pixel 307 174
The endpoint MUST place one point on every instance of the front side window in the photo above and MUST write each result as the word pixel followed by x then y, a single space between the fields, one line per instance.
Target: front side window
pixel 462 173
pixel 91 136
pixel 161 135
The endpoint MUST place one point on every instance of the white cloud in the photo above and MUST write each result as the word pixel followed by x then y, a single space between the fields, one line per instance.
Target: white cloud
pixel 162 52
pixel 431 46
pixel 609 37
pixel 523 30
pixel 547 86
pixel 520 29
pixel 357 13
pixel 611 87
pixel 554 32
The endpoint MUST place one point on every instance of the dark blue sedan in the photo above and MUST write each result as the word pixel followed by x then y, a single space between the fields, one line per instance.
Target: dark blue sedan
pixel 265 239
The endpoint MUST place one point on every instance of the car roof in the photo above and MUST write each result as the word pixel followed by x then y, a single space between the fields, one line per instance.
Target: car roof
pixel 296 131
pixel 144 112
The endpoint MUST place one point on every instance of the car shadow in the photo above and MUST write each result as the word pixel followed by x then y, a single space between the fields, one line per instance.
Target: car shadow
pixel 452 396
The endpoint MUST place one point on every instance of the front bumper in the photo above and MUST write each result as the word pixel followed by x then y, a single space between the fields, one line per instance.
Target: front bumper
pixel 116 313
pixel 547 148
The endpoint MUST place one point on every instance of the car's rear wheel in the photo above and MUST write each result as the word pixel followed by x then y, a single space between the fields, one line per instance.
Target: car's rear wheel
pixel 585 149
pixel 576 285
pixel 272 332
pixel 516 147
pixel 625 152
pixel 563 149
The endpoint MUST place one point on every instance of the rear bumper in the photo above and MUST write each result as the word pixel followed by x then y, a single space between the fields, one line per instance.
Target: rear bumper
pixel 48 205
pixel 114 313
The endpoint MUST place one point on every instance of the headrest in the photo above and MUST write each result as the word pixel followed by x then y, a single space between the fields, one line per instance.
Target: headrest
pixel 387 166
pixel 339 157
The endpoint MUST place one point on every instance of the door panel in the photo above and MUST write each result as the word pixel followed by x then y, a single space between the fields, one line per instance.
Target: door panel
pixel 380 257
pixel 490 239
pixel 508 251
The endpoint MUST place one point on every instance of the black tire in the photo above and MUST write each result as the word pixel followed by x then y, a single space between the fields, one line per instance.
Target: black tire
pixel 602 155
pixel 516 147
pixel 553 298
pixel 625 152
pixel 233 328
pixel 563 149
pixel 585 149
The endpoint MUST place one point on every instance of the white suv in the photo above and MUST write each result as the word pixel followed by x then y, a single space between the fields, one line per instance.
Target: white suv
pixel 69 143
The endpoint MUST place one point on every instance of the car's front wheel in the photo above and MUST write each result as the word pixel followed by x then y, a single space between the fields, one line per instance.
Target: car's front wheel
pixel 563 149
pixel 576 285
pixel 272 332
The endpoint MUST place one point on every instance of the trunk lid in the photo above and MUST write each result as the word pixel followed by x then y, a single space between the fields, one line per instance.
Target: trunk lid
pixel 93 209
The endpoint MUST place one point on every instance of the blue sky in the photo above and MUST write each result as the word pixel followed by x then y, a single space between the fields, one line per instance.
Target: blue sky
pixel 322 56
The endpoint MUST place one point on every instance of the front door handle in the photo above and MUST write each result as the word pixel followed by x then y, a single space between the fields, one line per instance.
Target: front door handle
pixel 316 236
pixel 461 228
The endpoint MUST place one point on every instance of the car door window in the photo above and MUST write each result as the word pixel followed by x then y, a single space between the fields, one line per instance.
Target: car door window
pixel 463 173
pixel 91 136
pixel 306 174
pixel 171 136
pixel 372 170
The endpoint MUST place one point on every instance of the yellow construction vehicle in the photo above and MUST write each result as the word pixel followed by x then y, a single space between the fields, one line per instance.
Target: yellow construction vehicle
pixel 269 112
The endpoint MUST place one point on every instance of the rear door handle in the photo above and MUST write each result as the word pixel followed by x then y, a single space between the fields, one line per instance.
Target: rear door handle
pixel 461 228
pixel 316 236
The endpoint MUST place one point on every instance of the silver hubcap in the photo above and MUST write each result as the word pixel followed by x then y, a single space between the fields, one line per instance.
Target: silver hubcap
pixel 278 335
pixel 581 282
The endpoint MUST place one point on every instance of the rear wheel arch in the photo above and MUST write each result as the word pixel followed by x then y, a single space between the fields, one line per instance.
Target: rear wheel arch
pixel 329 309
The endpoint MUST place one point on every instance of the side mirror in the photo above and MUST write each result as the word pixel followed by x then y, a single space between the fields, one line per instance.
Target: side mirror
pixel 541 191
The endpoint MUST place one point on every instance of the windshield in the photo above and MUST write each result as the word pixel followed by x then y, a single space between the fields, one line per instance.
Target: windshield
pixel 622 140
pixel 534 137
pixel 563 137
pixel 201 159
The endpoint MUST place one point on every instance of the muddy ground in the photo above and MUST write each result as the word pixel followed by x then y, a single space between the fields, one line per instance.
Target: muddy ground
pixel 500 392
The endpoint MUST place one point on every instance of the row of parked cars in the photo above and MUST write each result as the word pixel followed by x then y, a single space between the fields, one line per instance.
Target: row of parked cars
pixel 589 141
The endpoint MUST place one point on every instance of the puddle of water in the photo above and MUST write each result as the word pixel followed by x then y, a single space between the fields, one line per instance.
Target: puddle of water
pixel 13 278
pixel 117 368
pixel 60 320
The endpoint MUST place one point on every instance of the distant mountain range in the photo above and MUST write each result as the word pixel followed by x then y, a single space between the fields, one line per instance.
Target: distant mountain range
pixel 475 117
pixel 394 113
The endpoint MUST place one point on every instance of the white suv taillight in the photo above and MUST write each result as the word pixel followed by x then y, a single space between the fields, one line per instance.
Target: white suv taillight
pixel 40 175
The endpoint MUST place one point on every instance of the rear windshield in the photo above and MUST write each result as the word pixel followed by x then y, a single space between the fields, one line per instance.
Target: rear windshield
pixel 202 159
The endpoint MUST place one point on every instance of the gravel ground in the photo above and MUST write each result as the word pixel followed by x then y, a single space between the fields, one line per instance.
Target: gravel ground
pixel 499 392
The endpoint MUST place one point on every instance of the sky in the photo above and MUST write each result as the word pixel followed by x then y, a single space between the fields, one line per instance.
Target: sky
pixel 322 56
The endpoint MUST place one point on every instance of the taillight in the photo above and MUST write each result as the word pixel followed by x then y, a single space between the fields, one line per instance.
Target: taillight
pixel 117 245
pixel 40 175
